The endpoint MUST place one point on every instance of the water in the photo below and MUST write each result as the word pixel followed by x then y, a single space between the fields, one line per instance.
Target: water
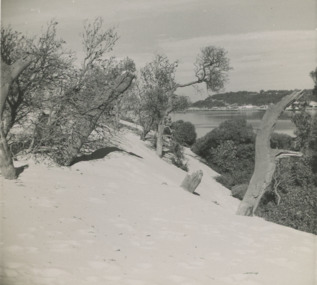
pixel 205 121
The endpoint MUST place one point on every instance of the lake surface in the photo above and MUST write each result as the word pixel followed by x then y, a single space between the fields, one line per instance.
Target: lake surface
pixel 205 121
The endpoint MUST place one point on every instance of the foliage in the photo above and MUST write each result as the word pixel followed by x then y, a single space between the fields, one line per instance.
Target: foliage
pixel 313 75
pixel 61 104
pixel 152 97
pixel 297 208
pixel 291 199
pixel 155 91
pixel 184 132
pixel 229 149
pixel 237 131
pixel 178 158
pixel 282 141
pixel 224 156
pixel 234 178
pixel 211 67
pixel 302 122
pixel 31 91
pixel 306 140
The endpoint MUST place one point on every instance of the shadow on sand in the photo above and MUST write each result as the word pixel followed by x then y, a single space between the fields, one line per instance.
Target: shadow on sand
pixel 100 153
pixel 20 169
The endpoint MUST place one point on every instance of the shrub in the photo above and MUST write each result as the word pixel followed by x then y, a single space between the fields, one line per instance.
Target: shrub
pixel 184 132
pixel 236 177
pixel 297 208
pixel 291 199
pixel 237 131
pixel 239 191
pixel 229 149
pixel 226 180
pixel 224 156
pixel 281 141
pixel 178 158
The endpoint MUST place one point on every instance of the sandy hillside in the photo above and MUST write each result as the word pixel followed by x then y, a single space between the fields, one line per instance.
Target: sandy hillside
pixel 124 219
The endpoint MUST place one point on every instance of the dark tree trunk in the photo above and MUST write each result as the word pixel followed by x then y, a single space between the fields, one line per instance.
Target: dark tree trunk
pixel 265 157
pixel 144 134
pixel 159 138
pixel 6 163
pixel 147 126
pixel 9 73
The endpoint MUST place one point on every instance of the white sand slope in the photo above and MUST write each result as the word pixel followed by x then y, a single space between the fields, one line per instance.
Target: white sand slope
pixel 125 220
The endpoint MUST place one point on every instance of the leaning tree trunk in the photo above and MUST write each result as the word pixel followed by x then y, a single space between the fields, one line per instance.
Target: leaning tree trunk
pixel 161 127
pixel 265 157
pixel 9 73
pixel 160 138
pixel 85 126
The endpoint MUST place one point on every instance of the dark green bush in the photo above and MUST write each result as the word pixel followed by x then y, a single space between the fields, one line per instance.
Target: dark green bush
pixel 281 141
pixel 184 132
pixel 292 197
pixel 237 131
pixel 229 149
pixel 297 208
pixel 234 178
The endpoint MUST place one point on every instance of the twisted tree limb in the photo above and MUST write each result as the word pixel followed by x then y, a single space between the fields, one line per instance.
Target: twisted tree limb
pixel 265 157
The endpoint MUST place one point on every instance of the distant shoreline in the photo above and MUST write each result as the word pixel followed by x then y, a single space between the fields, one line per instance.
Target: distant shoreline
pixel 242 108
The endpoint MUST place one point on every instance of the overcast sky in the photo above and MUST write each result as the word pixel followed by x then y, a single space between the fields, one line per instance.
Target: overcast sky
pixel 272 44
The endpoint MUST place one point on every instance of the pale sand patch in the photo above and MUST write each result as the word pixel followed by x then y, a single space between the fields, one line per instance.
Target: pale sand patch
pixel 125 220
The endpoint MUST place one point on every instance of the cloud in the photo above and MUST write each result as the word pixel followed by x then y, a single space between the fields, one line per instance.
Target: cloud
pixel 262 60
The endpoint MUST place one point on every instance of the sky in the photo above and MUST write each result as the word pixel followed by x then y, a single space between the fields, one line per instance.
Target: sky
pixel 272 44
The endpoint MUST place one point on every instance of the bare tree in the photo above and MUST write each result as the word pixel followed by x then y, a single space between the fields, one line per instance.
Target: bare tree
pixel 265 157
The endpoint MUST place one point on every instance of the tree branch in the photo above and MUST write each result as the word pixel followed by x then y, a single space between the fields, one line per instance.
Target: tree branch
pixel 281 153
pixel 188 84
pixel 9 73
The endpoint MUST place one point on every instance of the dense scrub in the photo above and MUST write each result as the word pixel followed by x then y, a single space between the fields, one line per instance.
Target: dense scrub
pixel 229 149
pixel 291 199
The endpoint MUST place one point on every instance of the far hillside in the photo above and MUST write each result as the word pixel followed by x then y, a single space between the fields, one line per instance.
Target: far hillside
pixel 241 98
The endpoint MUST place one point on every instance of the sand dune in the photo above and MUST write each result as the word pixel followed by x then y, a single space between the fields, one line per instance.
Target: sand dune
pixel 123 219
